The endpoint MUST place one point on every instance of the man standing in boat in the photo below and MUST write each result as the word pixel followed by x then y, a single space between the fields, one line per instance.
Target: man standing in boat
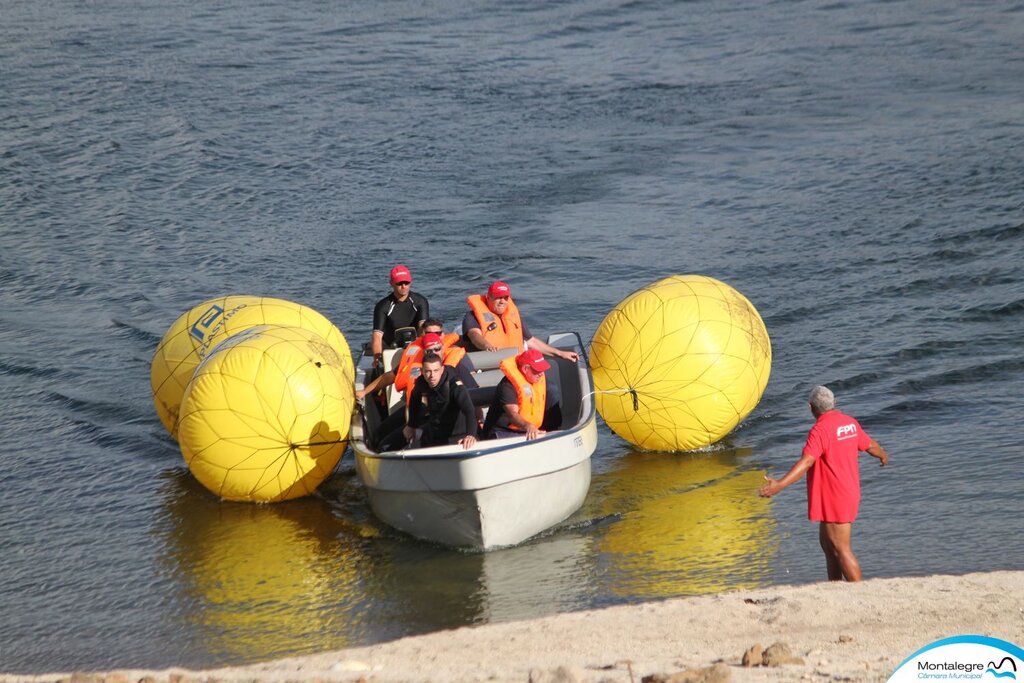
pixel 402 309
pixel 493 323
pixel 833 480
pixel 440 411
pixel 522 403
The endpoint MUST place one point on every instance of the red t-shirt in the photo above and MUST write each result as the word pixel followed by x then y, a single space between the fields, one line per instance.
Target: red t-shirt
pixel 833 484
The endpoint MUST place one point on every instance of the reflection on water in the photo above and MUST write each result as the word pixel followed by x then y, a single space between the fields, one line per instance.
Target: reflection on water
pixel 547 575
pixel 258 578
pixel 690 524
pixel 319 573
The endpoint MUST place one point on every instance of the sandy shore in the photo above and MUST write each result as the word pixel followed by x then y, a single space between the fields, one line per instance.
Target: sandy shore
pixel 839 632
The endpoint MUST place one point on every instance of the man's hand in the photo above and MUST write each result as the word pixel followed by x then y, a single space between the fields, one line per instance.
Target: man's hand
pixel 769 489
pixel 876 451
pixel 480 341
pixel 569 356
pixel 532 432
pixel 798 470
pixel 468 442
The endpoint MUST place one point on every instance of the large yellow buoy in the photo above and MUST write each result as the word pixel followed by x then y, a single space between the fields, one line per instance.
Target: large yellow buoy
pixel 198 331
pixel 266 414
pixel 678 364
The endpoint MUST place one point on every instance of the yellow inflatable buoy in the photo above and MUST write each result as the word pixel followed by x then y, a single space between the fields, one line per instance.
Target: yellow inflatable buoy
pixel 678 364
pixel 266 415
pixel 198 331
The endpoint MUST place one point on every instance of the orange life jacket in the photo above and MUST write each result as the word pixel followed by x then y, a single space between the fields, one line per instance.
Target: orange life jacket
pixel 530 397
pixel 412 357
pixel 452 354
pixel 503 332
pixel 412 360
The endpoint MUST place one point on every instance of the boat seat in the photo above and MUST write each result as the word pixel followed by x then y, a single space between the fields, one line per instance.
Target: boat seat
pixel 482 396
pixel 488 360
pixel 488 378
pixel 391 358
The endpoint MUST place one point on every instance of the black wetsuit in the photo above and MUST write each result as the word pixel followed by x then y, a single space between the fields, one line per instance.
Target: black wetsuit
pixel 391 314
pixel 445 413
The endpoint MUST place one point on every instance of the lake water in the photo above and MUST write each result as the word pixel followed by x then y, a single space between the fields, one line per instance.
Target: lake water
pixel 855 169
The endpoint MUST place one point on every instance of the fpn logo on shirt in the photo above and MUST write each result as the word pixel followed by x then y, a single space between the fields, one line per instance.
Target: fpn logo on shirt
pixel 846 432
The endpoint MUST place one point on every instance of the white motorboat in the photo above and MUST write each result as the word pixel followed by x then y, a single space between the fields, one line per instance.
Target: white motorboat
pixel 498 493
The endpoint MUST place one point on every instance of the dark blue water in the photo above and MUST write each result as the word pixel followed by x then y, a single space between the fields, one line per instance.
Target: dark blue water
pixel 855 169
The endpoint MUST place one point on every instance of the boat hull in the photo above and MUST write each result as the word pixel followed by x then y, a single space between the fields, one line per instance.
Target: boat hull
pixel 499 493
pixel 485 519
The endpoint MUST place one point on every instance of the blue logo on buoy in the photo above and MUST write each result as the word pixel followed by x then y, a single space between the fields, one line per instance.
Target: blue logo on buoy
pixel 206 321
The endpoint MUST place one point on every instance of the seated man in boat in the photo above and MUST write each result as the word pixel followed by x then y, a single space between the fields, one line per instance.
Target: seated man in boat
pixel 440 411
pixel 493 323
pixel 434 340
pixel 403 309
pixel 377 381
pixel 523 403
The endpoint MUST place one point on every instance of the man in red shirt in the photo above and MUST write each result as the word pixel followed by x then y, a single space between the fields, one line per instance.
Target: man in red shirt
pixel 833 480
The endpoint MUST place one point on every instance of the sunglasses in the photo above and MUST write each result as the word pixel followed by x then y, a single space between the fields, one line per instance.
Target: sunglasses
pixel 403 283
pixel 437 348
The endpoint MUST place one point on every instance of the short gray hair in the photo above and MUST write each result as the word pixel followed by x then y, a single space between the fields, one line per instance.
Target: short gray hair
pixel 822 399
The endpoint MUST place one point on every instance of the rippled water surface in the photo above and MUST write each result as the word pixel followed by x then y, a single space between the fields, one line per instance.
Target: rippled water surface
pixel 855 169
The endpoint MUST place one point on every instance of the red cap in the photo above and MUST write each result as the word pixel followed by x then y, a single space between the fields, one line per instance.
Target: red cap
pixel 499 289
pixel 534 358
pixel 431 339
pixel 400 274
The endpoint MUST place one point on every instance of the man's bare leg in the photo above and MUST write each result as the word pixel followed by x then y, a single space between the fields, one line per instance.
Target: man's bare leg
pixel 831 561
pixel 839 537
